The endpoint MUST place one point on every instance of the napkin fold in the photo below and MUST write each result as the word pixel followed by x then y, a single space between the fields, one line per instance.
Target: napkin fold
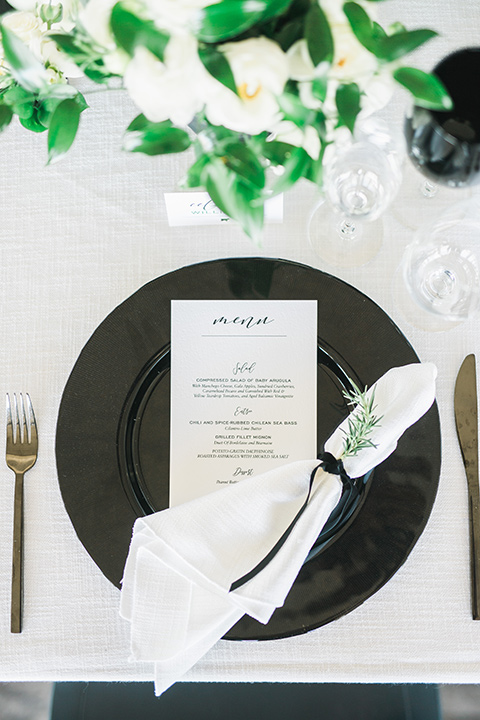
pixel 177 585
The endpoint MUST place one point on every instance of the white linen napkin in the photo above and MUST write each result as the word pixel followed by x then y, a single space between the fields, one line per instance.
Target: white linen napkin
pixel 176 590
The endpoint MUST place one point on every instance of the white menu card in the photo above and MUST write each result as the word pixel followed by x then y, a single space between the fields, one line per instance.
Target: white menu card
pixel 243 390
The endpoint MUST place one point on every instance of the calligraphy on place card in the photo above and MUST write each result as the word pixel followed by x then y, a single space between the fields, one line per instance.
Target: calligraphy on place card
pixel 197 208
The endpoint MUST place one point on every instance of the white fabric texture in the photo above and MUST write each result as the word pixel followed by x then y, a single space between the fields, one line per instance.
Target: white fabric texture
pixel 182 561
pixel 78 238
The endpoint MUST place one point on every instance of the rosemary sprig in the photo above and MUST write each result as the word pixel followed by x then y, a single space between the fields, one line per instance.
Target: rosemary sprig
pixel 360 423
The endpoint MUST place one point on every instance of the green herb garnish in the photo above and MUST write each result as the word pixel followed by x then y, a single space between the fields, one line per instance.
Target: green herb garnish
pixel 361 422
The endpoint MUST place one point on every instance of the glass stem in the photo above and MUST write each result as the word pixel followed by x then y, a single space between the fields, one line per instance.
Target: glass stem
pixel 439 284
pixel 429 189
pixel 347 229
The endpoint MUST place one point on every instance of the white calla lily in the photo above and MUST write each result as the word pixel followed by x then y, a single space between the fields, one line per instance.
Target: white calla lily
pixel 260 70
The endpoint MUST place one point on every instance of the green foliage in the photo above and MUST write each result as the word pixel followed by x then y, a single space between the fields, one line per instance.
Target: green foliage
pixel 63 127
pixel 392 47
pixel 24 66
pixel 427 89
pixel 374 38
pixel 230 18
pixel 152 138
pixel 231 192
pixel 347 99
pixel 217 65
pixel 50 13
pixel 131 32
pixel 361 422
pixel 86 55
pixel 318 35
pixel 235 168
pixel 6 114
pixel 239 171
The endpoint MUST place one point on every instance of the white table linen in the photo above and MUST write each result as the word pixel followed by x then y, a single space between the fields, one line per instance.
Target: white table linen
pixel 78 238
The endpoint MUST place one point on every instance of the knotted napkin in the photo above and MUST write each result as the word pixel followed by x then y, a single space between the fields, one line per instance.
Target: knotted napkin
pixel 194 570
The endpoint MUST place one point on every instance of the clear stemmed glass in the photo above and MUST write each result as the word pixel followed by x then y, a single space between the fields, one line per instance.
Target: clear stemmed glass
pixel 345 228
pixel 440 270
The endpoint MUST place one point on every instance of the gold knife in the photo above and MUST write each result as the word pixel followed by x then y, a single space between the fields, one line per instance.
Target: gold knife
pixel 466 420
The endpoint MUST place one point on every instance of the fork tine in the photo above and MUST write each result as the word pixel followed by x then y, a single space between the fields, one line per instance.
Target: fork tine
pixel 22 419
pixel 16 420
pixel 9 422
pixel 33 422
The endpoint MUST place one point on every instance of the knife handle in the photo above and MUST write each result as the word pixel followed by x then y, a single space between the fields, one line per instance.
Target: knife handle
pixel 474 518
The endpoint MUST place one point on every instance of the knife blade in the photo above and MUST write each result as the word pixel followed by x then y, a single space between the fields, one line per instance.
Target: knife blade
pixel 466 421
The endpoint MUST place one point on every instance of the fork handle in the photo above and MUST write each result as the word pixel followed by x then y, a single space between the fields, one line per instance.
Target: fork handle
pixel 17 557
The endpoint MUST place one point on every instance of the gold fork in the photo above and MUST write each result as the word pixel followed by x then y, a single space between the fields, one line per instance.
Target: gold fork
pixel 22 449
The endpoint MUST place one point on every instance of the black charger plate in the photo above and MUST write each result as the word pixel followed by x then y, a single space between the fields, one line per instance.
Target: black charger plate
pixel 113 432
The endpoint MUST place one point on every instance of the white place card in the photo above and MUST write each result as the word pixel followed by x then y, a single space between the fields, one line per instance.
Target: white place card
pixel 243 390
pixel 197 208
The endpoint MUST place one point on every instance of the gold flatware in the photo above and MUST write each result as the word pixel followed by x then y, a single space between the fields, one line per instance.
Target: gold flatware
pixel 465 403
pixel 21 455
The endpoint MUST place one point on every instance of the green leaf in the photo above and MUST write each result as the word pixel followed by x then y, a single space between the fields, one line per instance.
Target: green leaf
pixel 224 21
pixel 217 65
pixel 154 138
pixel 427 89
pixel 314 171
pixel 68 45
pixel 63 128
pixel 45 110
pixel 140 123
pixel 234 197
pixel 361 24
pixel 240 158
pixel 392 47
pixel 293 109
pixel 378 31
pixel 193 178
pixel 295 167
pixel 48 102
pixel 276 151
pixel 228 19
pixel 84 56
pixel 60 91
pixel 274 8
pixel 25 68
pixel 131 31
pixel 318 35
pixel 320 84
pixel 22 101
pixel 347 100
pixel 33 123
pixel 6 114
pixel 292 31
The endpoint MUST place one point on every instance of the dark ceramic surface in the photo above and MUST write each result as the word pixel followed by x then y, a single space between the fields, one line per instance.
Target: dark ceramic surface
pixel 113 432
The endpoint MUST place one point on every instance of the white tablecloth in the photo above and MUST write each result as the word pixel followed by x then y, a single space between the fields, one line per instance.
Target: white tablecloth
pixel 78 238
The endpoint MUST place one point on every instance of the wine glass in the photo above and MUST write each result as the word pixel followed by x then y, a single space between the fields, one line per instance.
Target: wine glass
pixel 440 270
pixel 344 228
pixel 443 146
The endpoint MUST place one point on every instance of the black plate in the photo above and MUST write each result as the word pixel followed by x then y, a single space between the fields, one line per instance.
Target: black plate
pixel 112 443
